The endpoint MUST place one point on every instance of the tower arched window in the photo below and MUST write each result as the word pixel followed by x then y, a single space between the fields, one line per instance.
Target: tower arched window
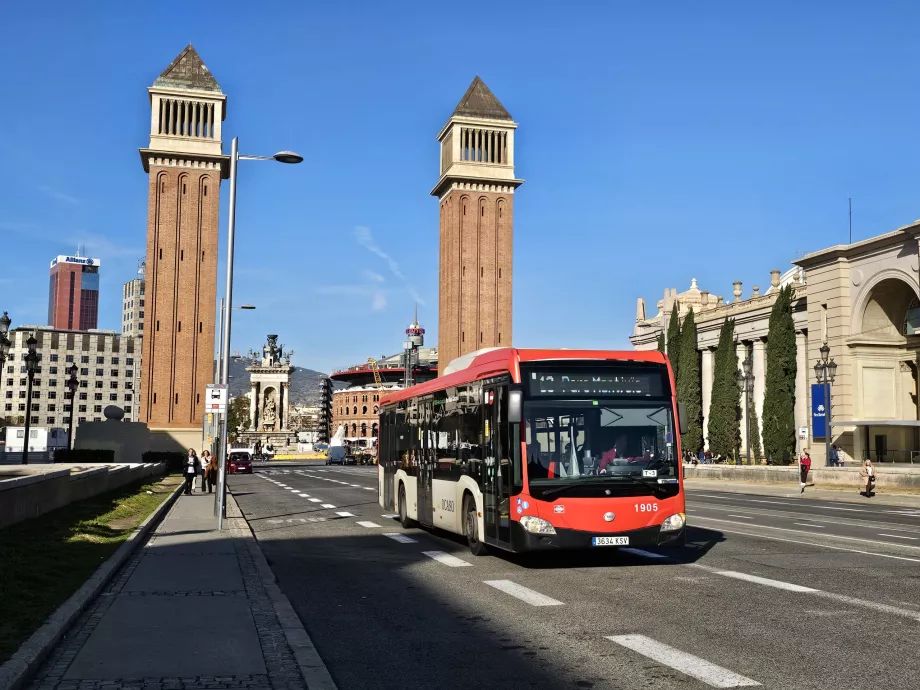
pixel 355 410
pixel 374 430
pixel 364 430
pixel 364 410
pixel 354 429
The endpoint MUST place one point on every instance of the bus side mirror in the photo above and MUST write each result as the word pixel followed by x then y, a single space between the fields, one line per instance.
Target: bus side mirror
pixel 682 418
pixel 515 406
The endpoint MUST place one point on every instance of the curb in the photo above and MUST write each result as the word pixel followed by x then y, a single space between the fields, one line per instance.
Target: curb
pixel 33 652
pixel 901 500
pixel 312 667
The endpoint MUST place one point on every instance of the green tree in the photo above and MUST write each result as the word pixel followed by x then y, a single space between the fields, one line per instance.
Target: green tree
pixel 661 342
pixel 756 450
pixel 673 341
pixel 689 391
pixel 779 397
pixel 724 430
pixel 238 415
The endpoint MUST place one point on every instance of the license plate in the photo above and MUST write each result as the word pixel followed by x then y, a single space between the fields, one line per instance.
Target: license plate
pixel 609 541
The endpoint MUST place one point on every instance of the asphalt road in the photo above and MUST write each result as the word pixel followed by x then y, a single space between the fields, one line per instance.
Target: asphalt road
pixel 781 592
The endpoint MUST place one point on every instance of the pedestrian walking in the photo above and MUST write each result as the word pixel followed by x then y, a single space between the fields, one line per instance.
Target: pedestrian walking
pixel 834 459
pixel 210 471
pixel 192 468
pixel 205 459
pixel 804 467
pixel 867 474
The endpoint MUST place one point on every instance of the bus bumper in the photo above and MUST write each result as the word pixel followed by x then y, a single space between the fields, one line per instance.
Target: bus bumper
pixel 571 539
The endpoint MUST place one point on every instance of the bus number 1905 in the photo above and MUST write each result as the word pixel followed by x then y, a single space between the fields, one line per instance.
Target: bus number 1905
pixel 646 507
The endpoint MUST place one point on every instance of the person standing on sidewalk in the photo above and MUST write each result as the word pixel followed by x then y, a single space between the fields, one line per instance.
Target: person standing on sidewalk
pixel 192 468
pixel 834 459
pixel 804 467
pixel 205 459
pixel 867 474
pixel 210 471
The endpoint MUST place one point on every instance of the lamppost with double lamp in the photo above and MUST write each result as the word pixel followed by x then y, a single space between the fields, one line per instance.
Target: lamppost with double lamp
pixel 72 385
pixel 825 372
pixel 235 158
pixel 4 341
pixel 746 384
pixel 220 350
pixel 31 368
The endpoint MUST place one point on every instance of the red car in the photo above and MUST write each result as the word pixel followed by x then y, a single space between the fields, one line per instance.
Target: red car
pixel 239 463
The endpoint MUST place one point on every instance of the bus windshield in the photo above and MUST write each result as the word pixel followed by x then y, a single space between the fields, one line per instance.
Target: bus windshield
pixel 586 440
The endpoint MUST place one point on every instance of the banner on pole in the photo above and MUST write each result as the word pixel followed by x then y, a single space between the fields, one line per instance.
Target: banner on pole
pixel 818 411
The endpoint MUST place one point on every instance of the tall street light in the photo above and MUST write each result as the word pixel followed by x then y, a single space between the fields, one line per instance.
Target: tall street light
pixel 31 368
pixel 746 384
pixel 825 372
pixel 5 343
pixel 220 349
pixel 72 385
pixel 235 158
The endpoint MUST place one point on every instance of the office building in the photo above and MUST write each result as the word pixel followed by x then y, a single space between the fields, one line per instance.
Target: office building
pixel 132 307
pixel 73 294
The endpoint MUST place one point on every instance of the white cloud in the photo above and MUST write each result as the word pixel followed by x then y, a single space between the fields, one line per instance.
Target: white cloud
pixel 365 238
pixel 379 301
pixel 374 277
pixel 59 196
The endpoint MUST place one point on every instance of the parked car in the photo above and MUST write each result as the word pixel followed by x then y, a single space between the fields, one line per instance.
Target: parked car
pixel 336 456
pixel 351 460
pixel 239 463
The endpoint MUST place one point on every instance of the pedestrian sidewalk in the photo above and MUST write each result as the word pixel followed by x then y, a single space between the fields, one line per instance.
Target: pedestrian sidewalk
pixel 195 608
pixel 794 491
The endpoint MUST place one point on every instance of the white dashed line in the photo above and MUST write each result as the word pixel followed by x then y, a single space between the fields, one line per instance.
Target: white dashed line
pixel 315 500
pixel 807 524
pixel 778 584
pixel 446 559
pixel 523 593
pixel 743 517
pixel 328 505
pixel 401 538
pixel 690 665
pixel 365 523
pixel 369 488
pixel 390 515
pixel 304 495
pixel 641 552
pixel 897 536
pixel 344 514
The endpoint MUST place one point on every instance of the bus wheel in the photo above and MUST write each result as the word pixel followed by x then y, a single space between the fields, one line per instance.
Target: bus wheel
pixel 403 511
pixel 471 529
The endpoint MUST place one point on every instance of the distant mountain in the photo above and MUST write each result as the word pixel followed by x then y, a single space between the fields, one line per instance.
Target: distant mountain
pixel 305 383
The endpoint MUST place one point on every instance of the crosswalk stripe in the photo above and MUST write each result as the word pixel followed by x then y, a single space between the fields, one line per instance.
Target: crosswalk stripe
pixel 345 514
pixel 523 593
pixel 690 665
pixel 401 538
pixel 446 559
pixel 365 523
pixel 328 505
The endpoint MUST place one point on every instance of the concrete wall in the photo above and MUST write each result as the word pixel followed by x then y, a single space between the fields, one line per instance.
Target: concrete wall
pixel 888 477
pixel 31 491
pixel 129 440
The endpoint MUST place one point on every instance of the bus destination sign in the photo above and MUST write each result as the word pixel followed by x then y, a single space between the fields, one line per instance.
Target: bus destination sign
pixel 640 384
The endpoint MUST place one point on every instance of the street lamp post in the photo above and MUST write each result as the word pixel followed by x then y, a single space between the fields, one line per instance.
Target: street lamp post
pixel 4 341
pixel 31 367
pixel 235 157
pixel 825 372
pixel 72 385
pixel 746 384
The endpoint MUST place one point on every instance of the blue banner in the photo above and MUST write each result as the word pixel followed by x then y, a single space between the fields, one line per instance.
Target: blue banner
pixel 818 411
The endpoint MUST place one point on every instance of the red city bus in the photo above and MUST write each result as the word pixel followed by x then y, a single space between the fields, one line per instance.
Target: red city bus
pixel 538 449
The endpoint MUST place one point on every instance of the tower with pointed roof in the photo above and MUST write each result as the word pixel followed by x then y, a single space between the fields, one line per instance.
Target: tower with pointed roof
pixel 476 201
pixel 185 164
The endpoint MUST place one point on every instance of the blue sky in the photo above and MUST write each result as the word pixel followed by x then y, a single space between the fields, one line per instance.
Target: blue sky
pixel 658 141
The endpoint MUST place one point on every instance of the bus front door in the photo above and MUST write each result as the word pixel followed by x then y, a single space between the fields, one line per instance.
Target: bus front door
pixel 495 486
pixel 425 465
pixel 387 456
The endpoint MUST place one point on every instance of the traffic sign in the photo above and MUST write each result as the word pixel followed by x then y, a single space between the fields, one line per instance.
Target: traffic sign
pixel 216 399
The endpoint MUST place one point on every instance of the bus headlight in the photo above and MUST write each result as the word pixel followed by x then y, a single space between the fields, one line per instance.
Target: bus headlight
pixel 673 523
pixel 536 525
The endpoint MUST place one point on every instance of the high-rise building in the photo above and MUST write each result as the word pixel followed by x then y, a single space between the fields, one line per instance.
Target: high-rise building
pixel 73 293
pixel 132 304
pixel 476 195
pixel 185 164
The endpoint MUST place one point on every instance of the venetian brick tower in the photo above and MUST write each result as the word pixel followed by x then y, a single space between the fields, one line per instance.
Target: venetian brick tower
pixel 476 195
pixel 185 165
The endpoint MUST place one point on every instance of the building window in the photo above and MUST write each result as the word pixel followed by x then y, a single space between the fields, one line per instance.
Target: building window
pixel 84 384
pixel 98 384
pixel 128 409
pixel 355 410
pixel 34 420
pixel 22 394
pixel 128 396
pixel 98 396
pixel 51 408
pixel 9 382
pixel 129 385
pixel 69 358
pixel 115 361
pixel 97 408
pixel 100 360
pixel 8 407
pixel 113 384
pixel 22 382
pixel 52 394
pixel 84 359
pixel 129 361
pixel 114 373
pixel 364 410
pixel 68 408
pixel 52 370
pixel 113 397
pixel 81 408
pixel 53 357
pixel 101 372
pixel 21 407
pixel 80 420
pixel 84 372
pixel 84 396
pixel 129 374
pixel 35 407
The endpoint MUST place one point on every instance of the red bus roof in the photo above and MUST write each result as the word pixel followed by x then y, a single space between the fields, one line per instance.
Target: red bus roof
pixel 495 361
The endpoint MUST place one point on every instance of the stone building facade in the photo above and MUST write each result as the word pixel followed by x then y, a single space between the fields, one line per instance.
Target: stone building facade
pixel 476 205
pixel 185 165
pixel 108 372
pixel 133 307
pixel 863 301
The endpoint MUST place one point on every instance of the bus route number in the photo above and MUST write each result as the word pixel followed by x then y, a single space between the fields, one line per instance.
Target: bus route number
pixel 447 506
pixel 646 507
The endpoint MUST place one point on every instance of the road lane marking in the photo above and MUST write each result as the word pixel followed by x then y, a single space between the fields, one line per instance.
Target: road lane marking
pixel 390 515
pixel 778 584
pixel 743 517
pixel 304 495
pixel 315 500
pixel 357 486
pixel 345 514
pixel 446 559
pixel 365 523
pixel 808 524
pixel 641 552
pixel 792 503
pixel 328 505
pixel 689 665
pixel 401 538
pixel 896 536
pixel 523 593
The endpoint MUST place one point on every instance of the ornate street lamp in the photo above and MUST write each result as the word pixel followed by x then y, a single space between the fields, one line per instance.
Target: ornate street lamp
pixel 826 372
pixel 72 385
pixel 746 386
pixel 4 341
pixel 31 368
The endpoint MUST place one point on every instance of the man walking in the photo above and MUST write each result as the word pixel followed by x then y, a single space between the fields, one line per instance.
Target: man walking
pixel 834 459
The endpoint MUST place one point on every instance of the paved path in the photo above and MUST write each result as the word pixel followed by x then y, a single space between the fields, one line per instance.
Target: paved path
pixel 755 599
pixel 191 610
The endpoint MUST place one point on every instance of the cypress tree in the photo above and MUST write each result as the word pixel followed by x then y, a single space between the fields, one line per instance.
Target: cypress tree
pixel 756 450
pixel 673 341
pixel 661 342
pixel 688 385
pixel 779 397
pixel 724 430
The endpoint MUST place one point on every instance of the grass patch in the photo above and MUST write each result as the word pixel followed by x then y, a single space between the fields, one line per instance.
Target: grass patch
pixel 43 561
